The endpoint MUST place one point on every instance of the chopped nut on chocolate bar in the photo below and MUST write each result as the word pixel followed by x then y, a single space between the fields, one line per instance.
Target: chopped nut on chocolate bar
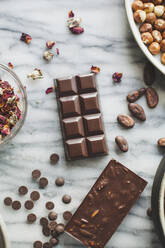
pixel 36 74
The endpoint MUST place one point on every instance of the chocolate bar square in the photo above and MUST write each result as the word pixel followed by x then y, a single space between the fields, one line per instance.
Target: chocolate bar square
pixel 106 205
pixel 80 117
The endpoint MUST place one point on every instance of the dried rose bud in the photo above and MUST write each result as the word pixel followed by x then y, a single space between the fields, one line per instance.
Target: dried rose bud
pixel 48 55
pixel 77 30
pixel 10 65
pixel 95 69
pixel 36 74
pixel 73 22
pixel 117 77
pixel 57 51
pixel 50 44
pixel 26 38
pixel 49 90
pixel 70 14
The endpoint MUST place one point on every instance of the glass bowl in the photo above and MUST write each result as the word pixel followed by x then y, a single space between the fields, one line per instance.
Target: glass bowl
pixel 8 75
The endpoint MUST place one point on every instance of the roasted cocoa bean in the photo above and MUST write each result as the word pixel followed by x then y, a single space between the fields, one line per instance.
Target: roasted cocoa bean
pixel 126 121
pixel 152 97
pixel 122 143
pixel 135 95
pixel 137 111
pixel 149 74
pixel 161 142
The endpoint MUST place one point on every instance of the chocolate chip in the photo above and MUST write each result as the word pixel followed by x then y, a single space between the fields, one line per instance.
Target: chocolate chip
pixel 31 218
pixel 54 158
pixel 16 205
pixel 43 182
pixel 52 225
pixel 49 205
pixel 67 215
pixel 149 212
pixel 37 244
pixel 53 241
pixel 8 201
pixel 46 245
pixel 66 199
pixel 43 221
pixel 23 190
pixel 59 228
pixel 35 195
pixel 60 181
pixel 36 174
pixel 52 215
pixel 29 205
pixel 46 231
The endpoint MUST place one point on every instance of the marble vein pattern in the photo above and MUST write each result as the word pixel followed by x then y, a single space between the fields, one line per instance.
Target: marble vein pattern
pixel 107 42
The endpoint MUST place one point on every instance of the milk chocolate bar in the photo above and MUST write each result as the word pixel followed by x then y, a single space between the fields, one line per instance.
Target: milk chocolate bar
pixel 106 205
pixel 80 117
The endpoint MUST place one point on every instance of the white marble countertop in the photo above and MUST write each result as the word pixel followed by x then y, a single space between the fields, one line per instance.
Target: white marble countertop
pixel 108 43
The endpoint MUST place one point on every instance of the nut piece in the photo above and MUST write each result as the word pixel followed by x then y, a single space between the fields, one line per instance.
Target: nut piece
pixel 136 5
pixel 148 7
pixel 154 48
pixel 157 36
pixel 122 143
pixel 48 55
pixel 146 27
pixel 147 38
pixel 163 58
pixel 150 18
pixel 140 16
pixel 159 10
pixel 159 24
pixel 161 142
pixel 162 45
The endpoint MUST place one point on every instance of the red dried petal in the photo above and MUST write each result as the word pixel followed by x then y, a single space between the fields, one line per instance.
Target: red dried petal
pixel 117 76
pixel 57 51
pixel 10 65
pixel 77 30
pixel 5 130
pixel 50 44
pixel 70 14
pixel 95 69
pixel 26 38
pixel 49 90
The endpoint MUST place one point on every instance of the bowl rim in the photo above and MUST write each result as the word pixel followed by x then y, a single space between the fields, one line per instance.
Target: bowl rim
pixel 136 34
pixel 17 128
pixel 3 234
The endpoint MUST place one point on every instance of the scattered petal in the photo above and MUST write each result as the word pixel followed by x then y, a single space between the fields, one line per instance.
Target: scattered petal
pixel 10 65
pixel 36 74
pixel 49 90
pixel 73 22
pixel 117 77
pixel 70 14
pixel 95 69
pixel 57 51
pixel 50 44
pixel 77 30
pixel 48 55
pixel 26 38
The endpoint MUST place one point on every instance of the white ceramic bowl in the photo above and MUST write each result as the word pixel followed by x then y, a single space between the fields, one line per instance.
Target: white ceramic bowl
pixel 4 242
pixel 155 59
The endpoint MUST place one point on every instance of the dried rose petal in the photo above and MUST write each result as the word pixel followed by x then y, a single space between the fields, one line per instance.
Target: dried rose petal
pixel 5 130
pixel 10 65
pixel 50 44
pixel 26 38
pixel 95 69
pixel 48 55
pixel 36 74
pixel 117 77
pixel 70 14
pixel 57 51
pixel 49 90
pixel 77 30
pixel 2 119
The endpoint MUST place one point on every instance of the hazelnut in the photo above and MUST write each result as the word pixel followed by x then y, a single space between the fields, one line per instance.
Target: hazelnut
pixel 159 10
pixel 163 35
pixel 154 48
pixel 150 18
pixel 146 27
pixel 139 16
pixel 137 5
pixel 156 2
pixel 162 45
pixel 159 24
pixel 157 36
pixel 147 38
pixel 163 58
pixel 148 7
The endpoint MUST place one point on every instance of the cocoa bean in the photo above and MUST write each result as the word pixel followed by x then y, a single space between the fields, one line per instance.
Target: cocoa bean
pixel 152 97
pixel 137 111
pixel 122 143
pixel 135 95
pixel 126 121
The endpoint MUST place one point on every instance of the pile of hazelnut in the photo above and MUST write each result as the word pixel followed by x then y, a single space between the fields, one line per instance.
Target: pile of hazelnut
pixel 150 14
